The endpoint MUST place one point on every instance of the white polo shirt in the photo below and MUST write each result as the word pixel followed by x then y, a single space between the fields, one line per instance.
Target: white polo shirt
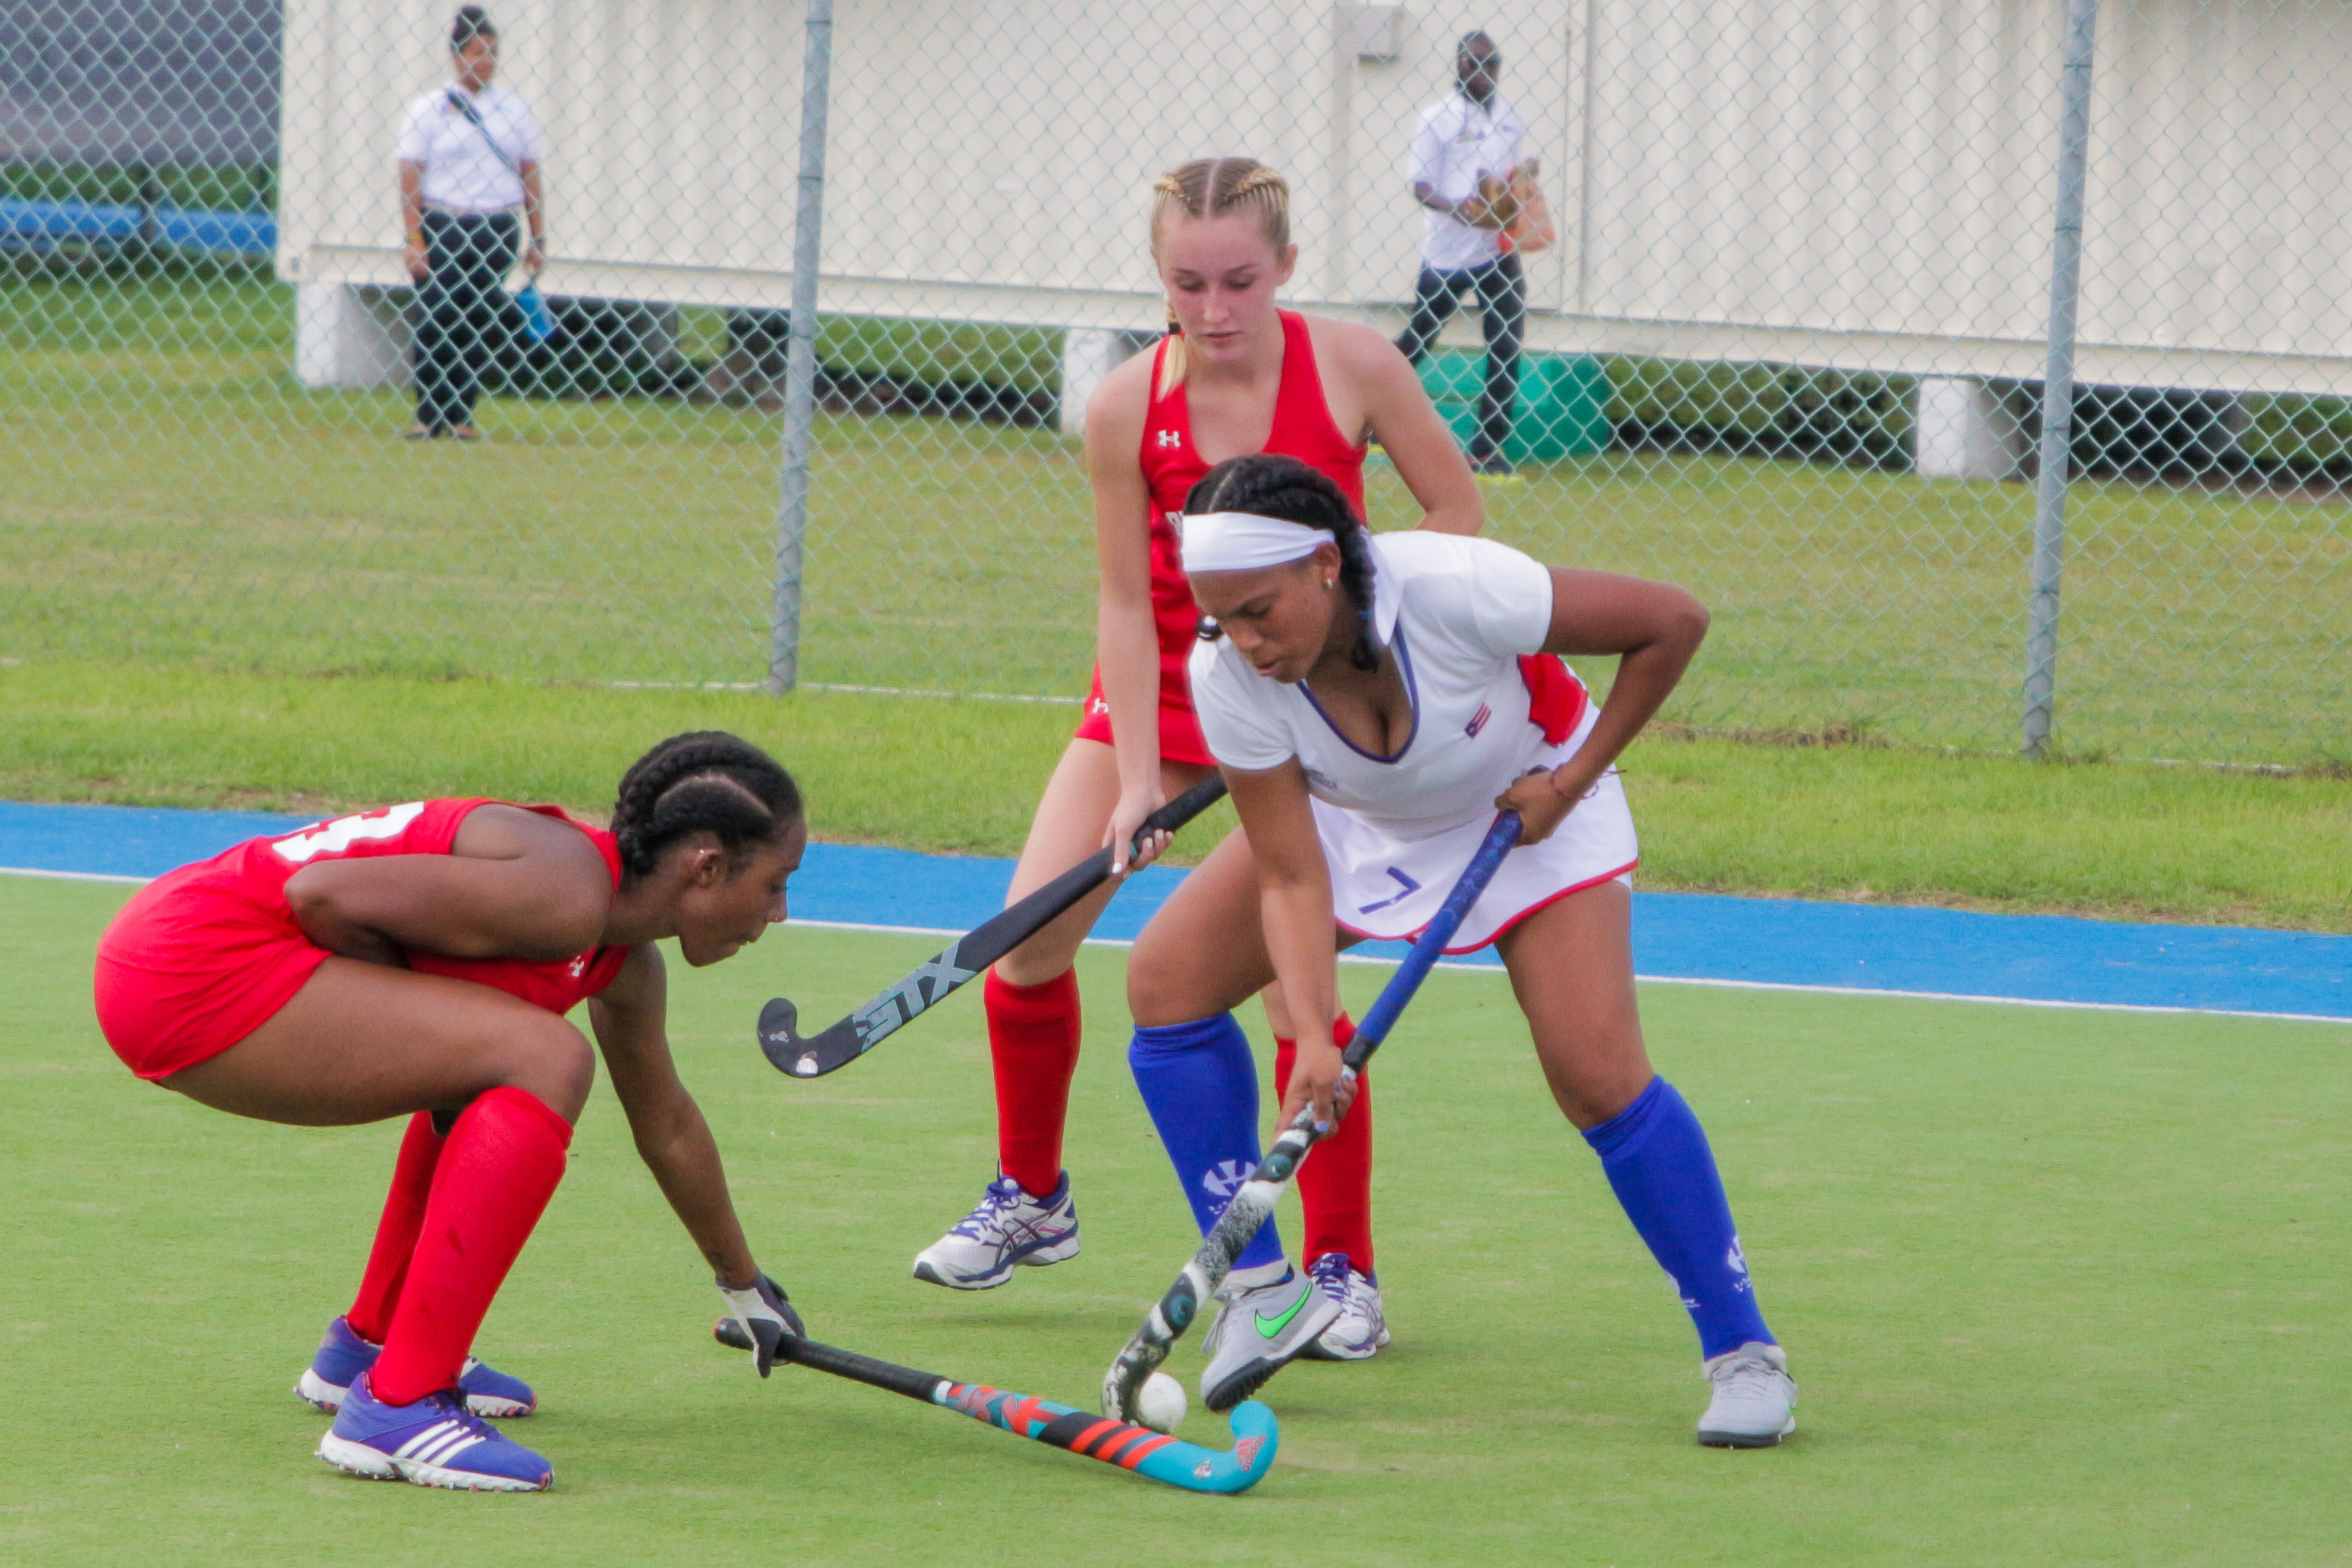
pixel 461 171
pixel 1456 143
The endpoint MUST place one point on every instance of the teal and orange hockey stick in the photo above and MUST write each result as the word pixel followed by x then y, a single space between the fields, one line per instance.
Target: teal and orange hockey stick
pixel 1120 1443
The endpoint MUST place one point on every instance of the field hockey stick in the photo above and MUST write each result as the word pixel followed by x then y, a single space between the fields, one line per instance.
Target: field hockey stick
pixel 1130 1447
pixel 1255 1200
pixel 948 970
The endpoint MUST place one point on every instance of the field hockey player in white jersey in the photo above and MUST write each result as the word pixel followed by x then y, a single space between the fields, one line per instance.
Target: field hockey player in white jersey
pixel 1373 702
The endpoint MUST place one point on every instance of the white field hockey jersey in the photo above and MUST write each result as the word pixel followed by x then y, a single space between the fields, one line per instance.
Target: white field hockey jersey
pixel 1397 831
pixel 1457 613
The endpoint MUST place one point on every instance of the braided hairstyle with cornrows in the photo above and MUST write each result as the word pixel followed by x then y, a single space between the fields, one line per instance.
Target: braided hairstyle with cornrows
pixel 707 781
pixel 1271 484
pixel 1211 187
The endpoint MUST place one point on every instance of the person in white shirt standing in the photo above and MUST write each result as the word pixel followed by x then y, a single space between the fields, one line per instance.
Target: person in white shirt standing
pixel 1470 136
pixel 469 157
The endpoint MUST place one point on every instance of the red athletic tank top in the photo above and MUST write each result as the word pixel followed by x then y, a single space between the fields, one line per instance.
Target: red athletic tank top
pixel 1172 466
pixel 258 869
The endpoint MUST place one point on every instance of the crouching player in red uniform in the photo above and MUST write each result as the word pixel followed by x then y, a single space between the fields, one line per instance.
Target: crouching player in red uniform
pixel 1237 373
pixel 418 961
pixel 1372 702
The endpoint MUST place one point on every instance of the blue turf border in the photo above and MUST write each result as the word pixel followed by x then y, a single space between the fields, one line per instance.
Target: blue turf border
pixel 1676 936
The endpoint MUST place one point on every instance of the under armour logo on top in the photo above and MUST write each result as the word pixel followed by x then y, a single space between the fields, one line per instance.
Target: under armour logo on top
pixel 1168 438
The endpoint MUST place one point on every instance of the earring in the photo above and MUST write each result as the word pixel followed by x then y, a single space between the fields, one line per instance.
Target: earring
pixel 1327 585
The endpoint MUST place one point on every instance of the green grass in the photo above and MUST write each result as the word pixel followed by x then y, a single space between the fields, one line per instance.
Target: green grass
pixel 173 496
pixel 2060 1288
pixel 1849 821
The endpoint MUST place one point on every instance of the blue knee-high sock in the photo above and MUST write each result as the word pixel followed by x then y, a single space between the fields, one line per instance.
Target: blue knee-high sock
pixel 1200 1087
pixel 1658 1161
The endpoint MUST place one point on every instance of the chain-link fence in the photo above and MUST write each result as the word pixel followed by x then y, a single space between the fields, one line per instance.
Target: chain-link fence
pixel 1791 345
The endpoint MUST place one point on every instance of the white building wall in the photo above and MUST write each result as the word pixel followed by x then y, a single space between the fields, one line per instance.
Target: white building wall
pixel 1862 182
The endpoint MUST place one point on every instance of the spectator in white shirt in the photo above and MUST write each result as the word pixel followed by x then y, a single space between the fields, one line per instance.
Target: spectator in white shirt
pixel 468 158
pixel 1470 136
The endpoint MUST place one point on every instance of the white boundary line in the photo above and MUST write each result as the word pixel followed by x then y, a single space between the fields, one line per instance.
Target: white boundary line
pixel 1726 985
pixel 72 876
pixel 1496 969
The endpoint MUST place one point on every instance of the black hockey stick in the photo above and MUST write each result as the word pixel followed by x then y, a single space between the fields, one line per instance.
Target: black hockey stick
pixel 894 1009
pixel 1255 1199
pixel 1120 1443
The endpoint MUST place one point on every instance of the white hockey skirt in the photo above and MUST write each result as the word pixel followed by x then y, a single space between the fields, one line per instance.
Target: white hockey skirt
pixel 1387 886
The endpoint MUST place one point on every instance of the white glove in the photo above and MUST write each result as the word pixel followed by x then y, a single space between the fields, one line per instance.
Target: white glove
pixel 762 1317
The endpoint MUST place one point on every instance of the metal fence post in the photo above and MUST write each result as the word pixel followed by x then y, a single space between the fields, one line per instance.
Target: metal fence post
pixel 2058 378
pixel 800 358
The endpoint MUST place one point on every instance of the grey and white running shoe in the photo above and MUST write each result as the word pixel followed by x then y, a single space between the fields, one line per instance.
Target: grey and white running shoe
pixel 1010 1229
pixel 1258 1331
pixel 1755 1403
pixel 1361 1328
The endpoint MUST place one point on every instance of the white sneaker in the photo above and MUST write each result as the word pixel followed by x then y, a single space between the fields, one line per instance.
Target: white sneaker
pixel 1010 1229
pixel 1361 1328
pixel 1259 1330
pixel 1755 1403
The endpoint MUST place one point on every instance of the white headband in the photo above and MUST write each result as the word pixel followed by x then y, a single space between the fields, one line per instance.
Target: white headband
pixel 1244 541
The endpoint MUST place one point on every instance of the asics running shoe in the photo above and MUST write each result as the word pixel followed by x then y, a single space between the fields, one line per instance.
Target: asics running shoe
pixel 1361 1328
pixel 1010 1229
pixel 1260 1331
pixel 343 1355
pixel 435 1442
pixel 1755 1403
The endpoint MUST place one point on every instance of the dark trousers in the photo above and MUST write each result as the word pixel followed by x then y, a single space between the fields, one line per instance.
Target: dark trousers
pixel 460 318
pixel 1503 312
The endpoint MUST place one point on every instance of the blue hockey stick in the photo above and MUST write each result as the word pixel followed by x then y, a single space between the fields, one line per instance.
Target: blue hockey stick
pixel 1255 1200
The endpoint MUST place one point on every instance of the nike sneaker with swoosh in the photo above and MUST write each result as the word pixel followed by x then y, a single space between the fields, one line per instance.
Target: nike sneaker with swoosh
pixel 1010 1229
pixel 1260 1331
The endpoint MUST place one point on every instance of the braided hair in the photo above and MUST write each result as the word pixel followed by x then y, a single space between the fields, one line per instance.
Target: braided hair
pixel 1211 187
pixel 707 781
pixel 1271 484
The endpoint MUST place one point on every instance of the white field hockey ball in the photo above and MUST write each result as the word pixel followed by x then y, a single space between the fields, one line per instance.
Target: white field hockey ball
pixel 1159 1402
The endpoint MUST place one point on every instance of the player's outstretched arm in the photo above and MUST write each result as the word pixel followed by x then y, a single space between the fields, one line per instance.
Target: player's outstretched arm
pixel 1295 911
pixel 671 1136
pixel 515 884
pixel 1127 638
pixel 1406 425
pixel 1654 628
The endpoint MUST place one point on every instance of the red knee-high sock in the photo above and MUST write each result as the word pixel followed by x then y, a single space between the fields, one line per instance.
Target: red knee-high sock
pixel 1033 1039
pixel 497 1172
pixel 1335 1185
pixel 396 1232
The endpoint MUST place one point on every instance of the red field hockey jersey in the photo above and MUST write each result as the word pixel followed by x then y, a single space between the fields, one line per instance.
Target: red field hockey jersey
pixel 1172 466
pixel 258 869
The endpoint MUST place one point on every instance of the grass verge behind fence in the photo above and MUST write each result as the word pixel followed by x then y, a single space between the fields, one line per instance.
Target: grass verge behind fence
pixel 175 497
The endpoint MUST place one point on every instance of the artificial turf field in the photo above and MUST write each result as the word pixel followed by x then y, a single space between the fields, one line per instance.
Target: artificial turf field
pixel 2060 1287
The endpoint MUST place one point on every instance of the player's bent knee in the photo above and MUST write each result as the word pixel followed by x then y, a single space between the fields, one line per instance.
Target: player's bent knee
pixel 553 1061
pixel 1159 993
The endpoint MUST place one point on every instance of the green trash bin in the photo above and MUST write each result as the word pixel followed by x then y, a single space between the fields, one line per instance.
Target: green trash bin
pixel 1562 410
